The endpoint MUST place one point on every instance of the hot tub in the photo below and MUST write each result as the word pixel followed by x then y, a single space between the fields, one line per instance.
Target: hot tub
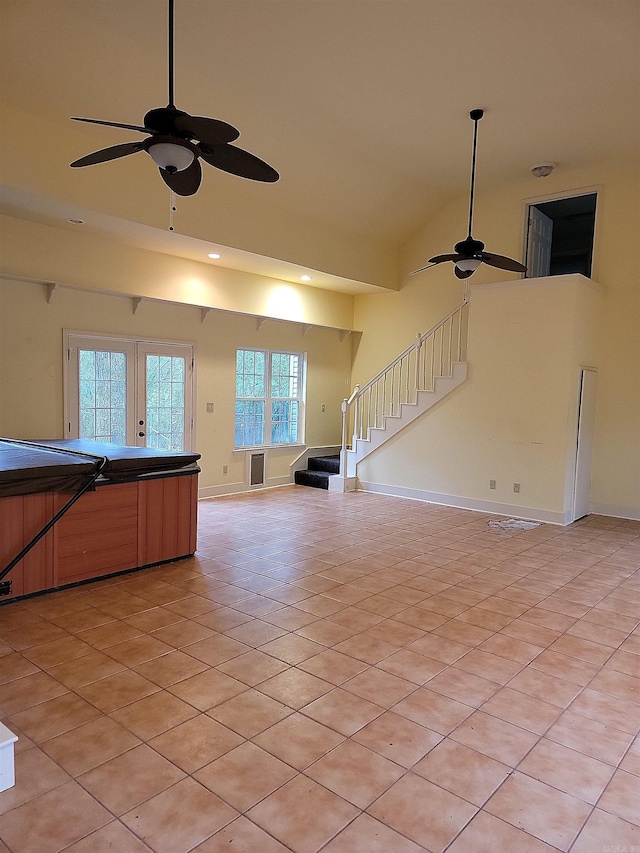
pixel 141 510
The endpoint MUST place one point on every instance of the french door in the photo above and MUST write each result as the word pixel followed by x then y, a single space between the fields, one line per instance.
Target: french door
pixel 129 392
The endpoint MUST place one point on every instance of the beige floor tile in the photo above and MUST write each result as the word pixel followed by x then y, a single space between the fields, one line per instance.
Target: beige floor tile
pixel 298 740
pixel 170 668
pixel 575 774
pixel 603 830
pixel 253 667
pixel 433 710
pixel 54 717
pixel 207 689
pixel 89 745
pixel 333 666
pixel 14 666
pixel 86 669
pixel 380 687
pixel 249 713
pixel 397 738
pixel 542 811
pixel 462 771
pixel 27 692
pixel 130 779
pixel 112 838
pixel 241 836
pixel 35 774
pixel 494 737
pixel 179 818
pixel 487 834
pixel 52 821
pixel 617 713
pixel 245 775
pixel 342 711
pixel 367 835
pixel 303 815
pixel 195 743
pixel 115 691
pixel 423 812
pixel 524 711
pixel 622 796
pixel 295 688
pixel 355 773
pixel 412 666
pixel 154 714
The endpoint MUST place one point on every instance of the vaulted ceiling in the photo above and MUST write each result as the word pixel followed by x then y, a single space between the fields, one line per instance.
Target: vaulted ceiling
pixel 361 105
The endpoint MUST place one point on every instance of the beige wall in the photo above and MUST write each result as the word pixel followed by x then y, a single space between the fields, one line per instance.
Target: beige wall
pixel 31 357
pixel 389 323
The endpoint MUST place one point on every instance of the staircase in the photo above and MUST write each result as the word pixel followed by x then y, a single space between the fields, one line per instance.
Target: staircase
pixel 317 475
pixel 432 367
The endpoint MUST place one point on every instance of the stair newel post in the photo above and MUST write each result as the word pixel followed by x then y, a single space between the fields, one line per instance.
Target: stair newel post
pixel 418 349
pixel 356 415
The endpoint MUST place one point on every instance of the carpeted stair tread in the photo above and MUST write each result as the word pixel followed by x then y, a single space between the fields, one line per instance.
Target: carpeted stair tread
pixel 331 464
pixel 315 479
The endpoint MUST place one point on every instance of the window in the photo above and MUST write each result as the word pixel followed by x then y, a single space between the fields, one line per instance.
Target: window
pixel 269 391
pixel 129 392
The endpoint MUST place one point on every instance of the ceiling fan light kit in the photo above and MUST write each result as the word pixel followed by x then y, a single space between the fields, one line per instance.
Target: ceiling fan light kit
pixel 177 141
pixel 469 253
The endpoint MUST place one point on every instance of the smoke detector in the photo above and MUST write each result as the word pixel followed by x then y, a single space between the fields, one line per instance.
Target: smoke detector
pixel 541 170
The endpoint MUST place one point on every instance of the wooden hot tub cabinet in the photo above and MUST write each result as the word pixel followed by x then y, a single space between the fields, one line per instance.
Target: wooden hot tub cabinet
pixel 142 511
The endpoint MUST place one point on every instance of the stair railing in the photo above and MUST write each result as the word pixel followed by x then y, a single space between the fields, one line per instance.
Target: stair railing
pixel 431 355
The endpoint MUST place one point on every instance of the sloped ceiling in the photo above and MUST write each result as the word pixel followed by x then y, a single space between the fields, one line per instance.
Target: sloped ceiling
pixel 361 105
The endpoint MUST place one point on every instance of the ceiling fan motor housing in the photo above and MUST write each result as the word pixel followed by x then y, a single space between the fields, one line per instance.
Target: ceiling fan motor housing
pixel 469 247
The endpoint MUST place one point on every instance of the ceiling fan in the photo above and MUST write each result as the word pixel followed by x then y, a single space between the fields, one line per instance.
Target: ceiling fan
pixel 470 253
pixel 177 141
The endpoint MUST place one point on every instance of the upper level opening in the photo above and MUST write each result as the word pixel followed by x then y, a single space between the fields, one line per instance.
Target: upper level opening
pixel 560 236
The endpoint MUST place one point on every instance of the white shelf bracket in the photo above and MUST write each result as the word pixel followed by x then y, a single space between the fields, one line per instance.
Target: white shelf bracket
pixel 204 313
pixel 305 328
pixel 136 300
pixel 260 321
pixel 344 334
pixel 51 289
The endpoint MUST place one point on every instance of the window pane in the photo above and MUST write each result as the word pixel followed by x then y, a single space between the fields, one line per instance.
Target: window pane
pixel 103 391
pixel 165 402
pixel 284 422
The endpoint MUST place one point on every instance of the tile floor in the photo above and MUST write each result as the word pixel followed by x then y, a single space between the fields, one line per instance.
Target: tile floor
pixel 344 673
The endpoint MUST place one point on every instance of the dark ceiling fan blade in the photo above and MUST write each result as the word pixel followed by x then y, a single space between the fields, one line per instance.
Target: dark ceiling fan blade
pixel 114 124
pixel 238 162
pixel 502 263
pixel 439 259
pixel 210 131
pixel 111 153
pixel 185 182
pixel 462 273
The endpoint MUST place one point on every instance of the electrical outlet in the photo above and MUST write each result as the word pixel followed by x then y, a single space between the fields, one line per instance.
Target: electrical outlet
pixel 492 484
pixel 323 408
pixel 209 408
pixel 225 469
pixel 516 488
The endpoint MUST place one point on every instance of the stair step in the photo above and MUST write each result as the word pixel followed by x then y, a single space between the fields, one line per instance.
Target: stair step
pixel 315 479
pixel 331 464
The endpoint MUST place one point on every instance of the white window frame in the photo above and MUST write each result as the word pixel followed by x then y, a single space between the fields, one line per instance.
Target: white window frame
pixel 268 399
pixel 135 348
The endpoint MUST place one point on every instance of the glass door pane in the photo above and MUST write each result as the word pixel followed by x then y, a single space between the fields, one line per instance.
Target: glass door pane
pixel 101 389
pixel 164 404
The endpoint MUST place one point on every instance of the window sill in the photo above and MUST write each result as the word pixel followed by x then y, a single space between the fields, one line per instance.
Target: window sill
pixel 294 446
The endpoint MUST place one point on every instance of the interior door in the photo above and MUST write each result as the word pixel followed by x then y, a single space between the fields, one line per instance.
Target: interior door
pixel 164 411
pixel 584 445
pixel 539 238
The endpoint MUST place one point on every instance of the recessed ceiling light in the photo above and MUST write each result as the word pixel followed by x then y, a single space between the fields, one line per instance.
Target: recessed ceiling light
pixel 305 278
pixel 213 255
pixel 76 221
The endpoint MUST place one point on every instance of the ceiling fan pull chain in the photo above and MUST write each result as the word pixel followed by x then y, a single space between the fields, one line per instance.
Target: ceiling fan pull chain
pixel 172 208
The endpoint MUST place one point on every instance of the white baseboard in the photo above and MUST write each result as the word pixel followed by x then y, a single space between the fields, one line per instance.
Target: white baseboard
pixel 240 488
pixel 629 512
pixel 513 511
